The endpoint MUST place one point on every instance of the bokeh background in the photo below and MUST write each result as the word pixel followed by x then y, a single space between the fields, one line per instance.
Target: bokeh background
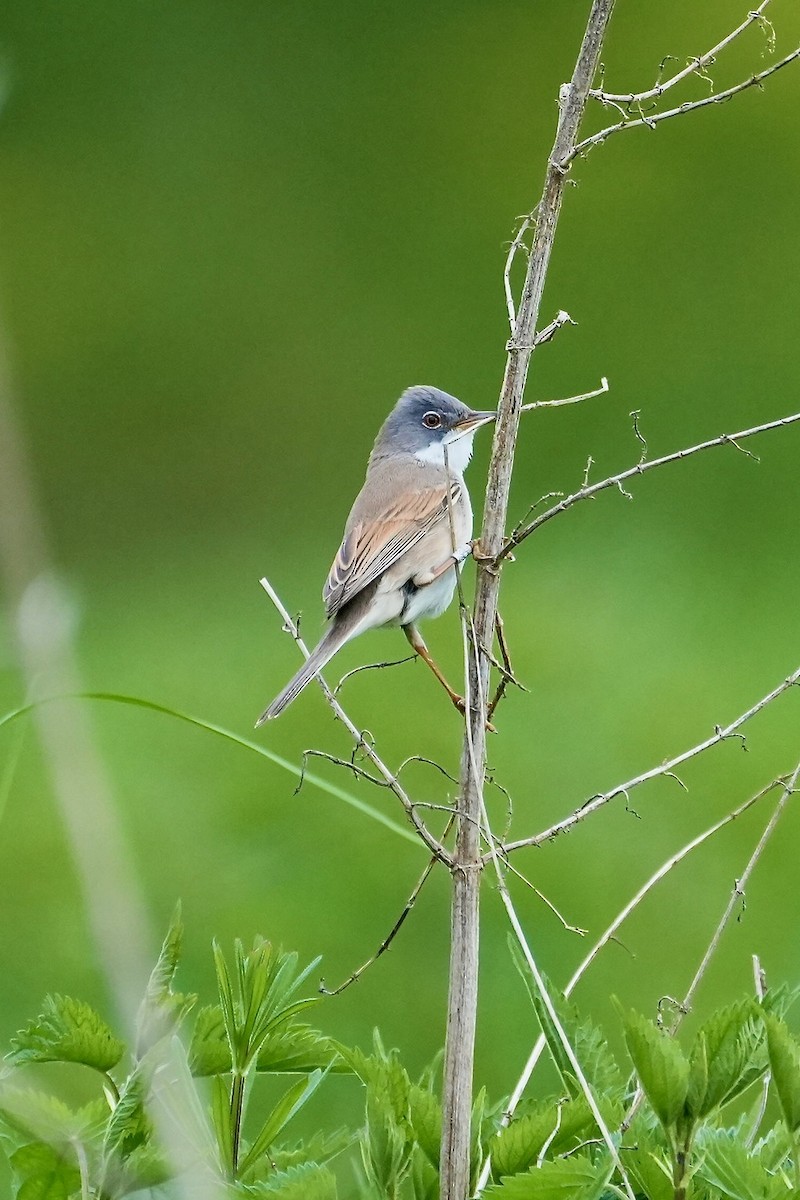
pixel 230 234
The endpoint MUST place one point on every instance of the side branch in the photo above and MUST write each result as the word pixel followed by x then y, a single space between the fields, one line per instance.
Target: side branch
pixel 653 119
pixel 362 743
pixel 585 493
pixel 694 67
pixel 666 768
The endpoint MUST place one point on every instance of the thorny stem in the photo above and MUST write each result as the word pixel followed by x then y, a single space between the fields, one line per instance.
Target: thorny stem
pixel 462 1001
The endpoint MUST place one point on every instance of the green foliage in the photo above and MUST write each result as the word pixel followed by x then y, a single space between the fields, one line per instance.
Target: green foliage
pixel 67 1030
pixel 172 1112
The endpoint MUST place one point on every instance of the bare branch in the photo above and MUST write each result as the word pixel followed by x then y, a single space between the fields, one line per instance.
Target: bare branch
pixel 610 934
pixel 586 492
pixel 391 935
pixel 667 768
pixel 376 666
pixel 567 399
pixel 694 66
pixel 788 789
pixel 549 332
pixel 361 742
pixel 653 119
pixel 517 244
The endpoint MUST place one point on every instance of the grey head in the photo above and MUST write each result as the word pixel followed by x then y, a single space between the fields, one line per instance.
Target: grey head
pixel 424 421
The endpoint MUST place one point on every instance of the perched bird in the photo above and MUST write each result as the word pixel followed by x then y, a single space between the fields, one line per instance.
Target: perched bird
pixel 407 533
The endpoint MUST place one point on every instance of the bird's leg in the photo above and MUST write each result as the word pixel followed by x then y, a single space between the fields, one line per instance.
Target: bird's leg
pixel 417 643
pixel 424 578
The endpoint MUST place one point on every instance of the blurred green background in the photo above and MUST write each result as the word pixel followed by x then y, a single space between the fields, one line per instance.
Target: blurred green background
pixel 231 232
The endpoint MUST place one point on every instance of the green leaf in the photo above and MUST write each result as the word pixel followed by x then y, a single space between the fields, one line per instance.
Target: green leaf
pixel 308 777
pixel 385 1148
pixel 425 1118
pixel 551 1035
pixel 44 1173
pixel 67 1030
pixel 424 1177
pixel 588 1042
pixel 128 1126
pixel 574 1178
pixel 518 1146
pixel 162 1010
pixel 727 1056
pixel 221 1118
pixel 647 1163
pixel 307 1182
pixel 726 1164
pixel 42 1117
pixel 784 1059
pixel 298 1049
pixel 286 1108
pixel 209 1051
pixel 661 1066
pixel 318 1148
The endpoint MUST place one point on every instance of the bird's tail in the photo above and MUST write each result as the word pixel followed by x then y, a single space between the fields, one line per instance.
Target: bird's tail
pixel 335 637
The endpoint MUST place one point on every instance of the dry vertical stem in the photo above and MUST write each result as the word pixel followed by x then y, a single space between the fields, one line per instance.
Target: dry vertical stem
pixel 462 1001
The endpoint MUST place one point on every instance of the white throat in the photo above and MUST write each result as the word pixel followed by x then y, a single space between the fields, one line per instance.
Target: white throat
pixel 459 452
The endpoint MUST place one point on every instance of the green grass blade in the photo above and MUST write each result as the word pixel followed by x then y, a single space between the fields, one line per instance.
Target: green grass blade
pixel 314 780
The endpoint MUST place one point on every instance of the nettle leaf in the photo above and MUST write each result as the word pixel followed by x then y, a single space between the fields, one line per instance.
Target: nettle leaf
pixel 144 1168
pixel 162 1010
pixel 45 1173
pixel 209 1051
pixel 589 1043
pixel 660 1065
pixel 307 1182
pixel 424 1177
pixel 517 1147
pixel 67 1030
pixel 41 1116
pixel 425 1118
pixel 722 1061
pixel 319 1148
pixel 128 1126
pixel 647 1162
pixel 725 1163
pixel 574 1178
pixel 299 1049
pixel 382 1073
pixel 784 1059
pixel 385 1151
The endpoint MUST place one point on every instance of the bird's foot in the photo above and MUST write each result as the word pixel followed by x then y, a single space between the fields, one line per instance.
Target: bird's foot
pixel 460 703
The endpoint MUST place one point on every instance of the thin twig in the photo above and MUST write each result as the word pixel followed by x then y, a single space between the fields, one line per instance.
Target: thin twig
pixel 788 789
pixel 361 742
pixel 598 801
pixel 376 666
pixel 517 244
pixel 567 399
pixel 693 67
pixel 393 932
pixel 585 493
pixel 684 1007
pixel 654 119
pixel 609 935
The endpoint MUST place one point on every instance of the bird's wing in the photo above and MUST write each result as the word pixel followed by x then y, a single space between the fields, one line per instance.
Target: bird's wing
pixel 370 547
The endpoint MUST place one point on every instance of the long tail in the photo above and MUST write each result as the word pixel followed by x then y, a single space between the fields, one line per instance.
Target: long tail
pixel 333 639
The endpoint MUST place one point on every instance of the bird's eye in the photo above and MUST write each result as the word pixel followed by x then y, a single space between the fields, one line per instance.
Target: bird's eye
pixel 432 420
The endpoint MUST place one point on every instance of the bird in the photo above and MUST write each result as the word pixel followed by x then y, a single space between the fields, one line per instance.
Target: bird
pixel 407 535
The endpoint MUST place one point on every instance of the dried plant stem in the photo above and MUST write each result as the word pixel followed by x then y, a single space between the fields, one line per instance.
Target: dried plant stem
pixel 609 934
pixel 616 481
pixel 362 743
pixel 693 67
pixel 665 769
pixel 462 1000
pixel 788 789
pixel 653 119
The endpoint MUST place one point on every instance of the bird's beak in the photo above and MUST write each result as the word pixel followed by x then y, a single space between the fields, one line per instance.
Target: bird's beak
pixel 474 420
